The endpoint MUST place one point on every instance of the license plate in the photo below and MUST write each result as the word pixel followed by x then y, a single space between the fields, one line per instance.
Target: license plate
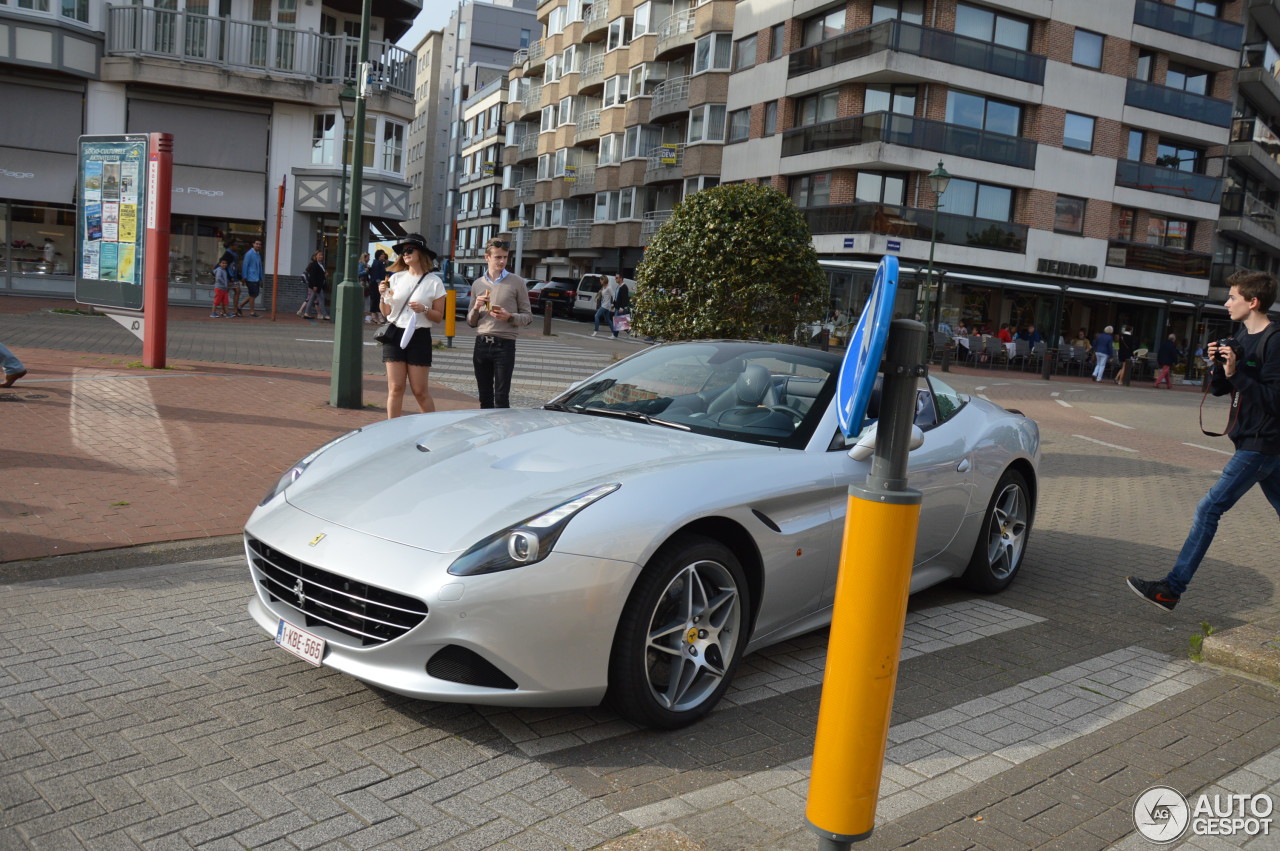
pixel 553 294
pixel 300 643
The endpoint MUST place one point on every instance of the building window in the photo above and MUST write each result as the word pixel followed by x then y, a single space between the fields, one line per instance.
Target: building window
pixel 567 111
pixel 811 190
pixel 1068 215
pixel 981 200
pixel 524 38
pixel 983 113
pixel 777 41
pixel 899 99
pixel 1077 132
pixel 640 139
pixel 1137 140
pixel 1188 79
pixel 817 108
pixel 986 25
pixel 615 92
pixel 706 123
pixel 1203 7
pixel 619 34
pixel 712 53
pixel 548 119
pixel 697 184
pixel 824 26
pixel 392 147
pixel 1181 157
pixel 771 118
pixel 745 53
pixel 1170 233
pixel 641 20
pixel 610 149
pixel 907 11
pixel 1146 62
pixel 1087 50
pixel 881 187
pixel 324 138
pixel 645 77
pixel 739 124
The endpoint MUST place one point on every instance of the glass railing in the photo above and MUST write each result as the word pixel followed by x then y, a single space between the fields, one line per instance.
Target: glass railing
pixel 914 223
pixel 242 45
pixel 1168 181
pixel 1157 258
pixel 1189 105
pixel 1246 205
pixel 1163 16
pixel 911 132
pixel 920 41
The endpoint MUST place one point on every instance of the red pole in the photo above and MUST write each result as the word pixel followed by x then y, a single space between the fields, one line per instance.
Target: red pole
pixel 275 268
pixel 155 268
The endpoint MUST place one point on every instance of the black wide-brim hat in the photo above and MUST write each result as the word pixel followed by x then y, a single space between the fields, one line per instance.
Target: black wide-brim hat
pixel 414 240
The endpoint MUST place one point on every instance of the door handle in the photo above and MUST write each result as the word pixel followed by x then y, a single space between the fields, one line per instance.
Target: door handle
pixel 963 466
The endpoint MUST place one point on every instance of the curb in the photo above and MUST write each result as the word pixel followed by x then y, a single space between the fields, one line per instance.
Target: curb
pixel 1253 648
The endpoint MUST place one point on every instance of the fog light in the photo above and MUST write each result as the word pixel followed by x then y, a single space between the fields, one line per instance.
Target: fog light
pixel 523 546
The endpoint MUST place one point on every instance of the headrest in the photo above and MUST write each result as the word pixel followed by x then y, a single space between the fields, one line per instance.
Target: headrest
pixel 753 384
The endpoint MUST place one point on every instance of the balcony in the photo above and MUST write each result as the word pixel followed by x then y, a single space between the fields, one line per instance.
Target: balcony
pixel 1266 15
pixel 911 132
pixel 1168 181
pixel 651 224
pixel 671 96
pixel 525 190
pixel 592 73
pixel 579 234
pixel 1258 84
pixel 518 58
pixel 538 51
pixel 913 223
pixel 1176 102
pixel 595 21
pixel 588 127
pixel 585 182
pixel 666 162
pixel 1184 22
pixel 1255 148
pixel 528 144
pixel 231 45
pixel 531 100
pixel 676 31
pixel 918 41
pixel 1157 258
pixel 1244 216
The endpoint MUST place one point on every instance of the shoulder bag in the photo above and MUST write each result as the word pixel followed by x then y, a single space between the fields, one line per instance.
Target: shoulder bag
pixel 389 334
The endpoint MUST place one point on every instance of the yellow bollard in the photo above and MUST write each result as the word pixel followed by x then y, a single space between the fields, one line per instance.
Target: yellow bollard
pixel 862 662
pixel 450 314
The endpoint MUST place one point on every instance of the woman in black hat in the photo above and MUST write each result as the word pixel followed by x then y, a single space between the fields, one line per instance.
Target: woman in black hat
pixel 413 297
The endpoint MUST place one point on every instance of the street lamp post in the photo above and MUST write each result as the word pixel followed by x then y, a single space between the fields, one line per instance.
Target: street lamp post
pixel 938 182
pixel 347 104
pixel 346 384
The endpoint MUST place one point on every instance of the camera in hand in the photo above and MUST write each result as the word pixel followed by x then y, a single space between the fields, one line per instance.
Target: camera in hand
pixel 1227 343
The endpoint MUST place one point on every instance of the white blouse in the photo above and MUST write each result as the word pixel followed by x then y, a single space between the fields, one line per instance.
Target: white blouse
pixel 404 288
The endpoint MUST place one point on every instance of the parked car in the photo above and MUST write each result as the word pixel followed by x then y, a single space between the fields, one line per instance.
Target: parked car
pixel 632 539
pixel 462 301
pixel 584 303
pixel 554 292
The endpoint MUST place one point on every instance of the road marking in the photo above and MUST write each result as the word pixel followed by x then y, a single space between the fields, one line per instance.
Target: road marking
pixel 1064 403
pixel 1054 393
pixel 937 756
pixel 1113 422
pixel 1104 443
pixel 1208 448
pixel 794 664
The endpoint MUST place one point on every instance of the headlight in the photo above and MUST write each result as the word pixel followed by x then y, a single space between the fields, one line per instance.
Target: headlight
pixel 291 475
pixel 528 542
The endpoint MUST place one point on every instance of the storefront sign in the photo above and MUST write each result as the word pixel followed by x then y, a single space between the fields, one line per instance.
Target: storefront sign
pixel 113 184
pixel 1062 267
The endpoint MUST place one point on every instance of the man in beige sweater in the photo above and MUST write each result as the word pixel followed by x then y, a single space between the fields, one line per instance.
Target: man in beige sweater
pixel 499 307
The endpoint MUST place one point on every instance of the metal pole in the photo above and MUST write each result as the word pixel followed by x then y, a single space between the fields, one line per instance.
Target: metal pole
pixel 347 383
pixel 520 244
pixel 937 295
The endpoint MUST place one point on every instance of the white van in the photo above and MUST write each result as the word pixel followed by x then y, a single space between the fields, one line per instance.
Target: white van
pixel 584 304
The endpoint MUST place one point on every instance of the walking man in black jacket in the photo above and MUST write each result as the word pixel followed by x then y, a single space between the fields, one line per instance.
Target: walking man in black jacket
pixel 1251 374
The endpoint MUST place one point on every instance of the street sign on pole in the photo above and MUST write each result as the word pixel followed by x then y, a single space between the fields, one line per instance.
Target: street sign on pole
pixel 862 359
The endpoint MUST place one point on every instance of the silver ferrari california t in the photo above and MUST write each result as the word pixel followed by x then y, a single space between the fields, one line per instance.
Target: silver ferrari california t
pixel 632 539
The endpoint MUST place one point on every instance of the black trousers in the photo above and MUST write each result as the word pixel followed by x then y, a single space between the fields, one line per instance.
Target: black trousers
pixel 494 358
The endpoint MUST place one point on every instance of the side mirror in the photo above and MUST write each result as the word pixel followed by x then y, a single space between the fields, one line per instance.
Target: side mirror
pixel 865 446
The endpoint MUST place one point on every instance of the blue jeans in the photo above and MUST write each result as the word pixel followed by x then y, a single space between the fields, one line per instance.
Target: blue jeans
pixel 494 359
pixel 1243 471
pixel 9 361
pixel 605 315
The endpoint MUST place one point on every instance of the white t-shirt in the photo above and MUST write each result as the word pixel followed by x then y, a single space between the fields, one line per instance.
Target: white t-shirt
pixel 404 288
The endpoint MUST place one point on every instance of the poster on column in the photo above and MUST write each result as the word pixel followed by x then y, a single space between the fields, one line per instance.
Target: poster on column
pixel 111 189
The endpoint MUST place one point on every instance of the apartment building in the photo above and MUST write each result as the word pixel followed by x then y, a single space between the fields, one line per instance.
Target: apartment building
pixel 479 214
pixel 1088 144
pixel 249 91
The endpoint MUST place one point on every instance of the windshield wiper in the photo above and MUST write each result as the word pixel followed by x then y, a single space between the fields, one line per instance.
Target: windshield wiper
pixel 558 406
pixel 635 415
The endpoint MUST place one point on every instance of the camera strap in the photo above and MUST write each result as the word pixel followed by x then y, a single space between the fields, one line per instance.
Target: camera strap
pixel 1260 352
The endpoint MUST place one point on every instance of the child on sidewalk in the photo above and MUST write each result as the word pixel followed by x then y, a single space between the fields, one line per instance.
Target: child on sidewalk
pixel 221 290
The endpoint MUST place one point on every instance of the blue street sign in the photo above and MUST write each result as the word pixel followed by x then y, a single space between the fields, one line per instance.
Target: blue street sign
pixel 848 242
pixel 866 346
pixel 893 245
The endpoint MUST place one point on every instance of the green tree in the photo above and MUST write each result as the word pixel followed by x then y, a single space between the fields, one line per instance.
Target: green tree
pixel 733 262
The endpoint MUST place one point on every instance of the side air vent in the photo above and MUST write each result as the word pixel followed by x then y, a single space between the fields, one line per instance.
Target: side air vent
pixel 460 665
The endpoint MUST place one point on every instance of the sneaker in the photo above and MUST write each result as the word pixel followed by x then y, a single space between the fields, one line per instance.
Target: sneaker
pixel 12 377
pixel 595 333
pixel 213 316
pixel 1156 593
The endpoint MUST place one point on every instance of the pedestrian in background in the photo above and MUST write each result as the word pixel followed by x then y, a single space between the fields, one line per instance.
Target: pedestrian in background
pixel 362 275
pixel 414 299
pixel 1166 357
pixel 1103 348
pixel 251 272
pixel 377 273
pixel 221 284
pixel 499 308
pixel 604 306
pixel 1126 348
pixel 1249 370
pixel 13 368
pixel 233 275
pixel 315 277
pixel 621 302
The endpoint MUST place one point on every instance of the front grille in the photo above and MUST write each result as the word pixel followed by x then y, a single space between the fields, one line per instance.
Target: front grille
pixel 369 614
pixel 460 665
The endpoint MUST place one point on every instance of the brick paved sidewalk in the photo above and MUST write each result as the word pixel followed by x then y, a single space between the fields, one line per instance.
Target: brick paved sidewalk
pixel 99 454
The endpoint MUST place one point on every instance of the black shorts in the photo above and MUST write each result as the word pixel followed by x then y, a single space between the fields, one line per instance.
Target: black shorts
pixel 254 287
pixel 417 353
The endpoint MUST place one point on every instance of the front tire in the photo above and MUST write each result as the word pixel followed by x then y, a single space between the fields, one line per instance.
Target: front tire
pixel 1002 543
pixel 681 634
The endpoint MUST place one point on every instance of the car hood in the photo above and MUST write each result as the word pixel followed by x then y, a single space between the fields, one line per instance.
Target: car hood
pixel 441 482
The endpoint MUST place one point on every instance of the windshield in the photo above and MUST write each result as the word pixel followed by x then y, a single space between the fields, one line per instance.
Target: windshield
pixel 753 392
